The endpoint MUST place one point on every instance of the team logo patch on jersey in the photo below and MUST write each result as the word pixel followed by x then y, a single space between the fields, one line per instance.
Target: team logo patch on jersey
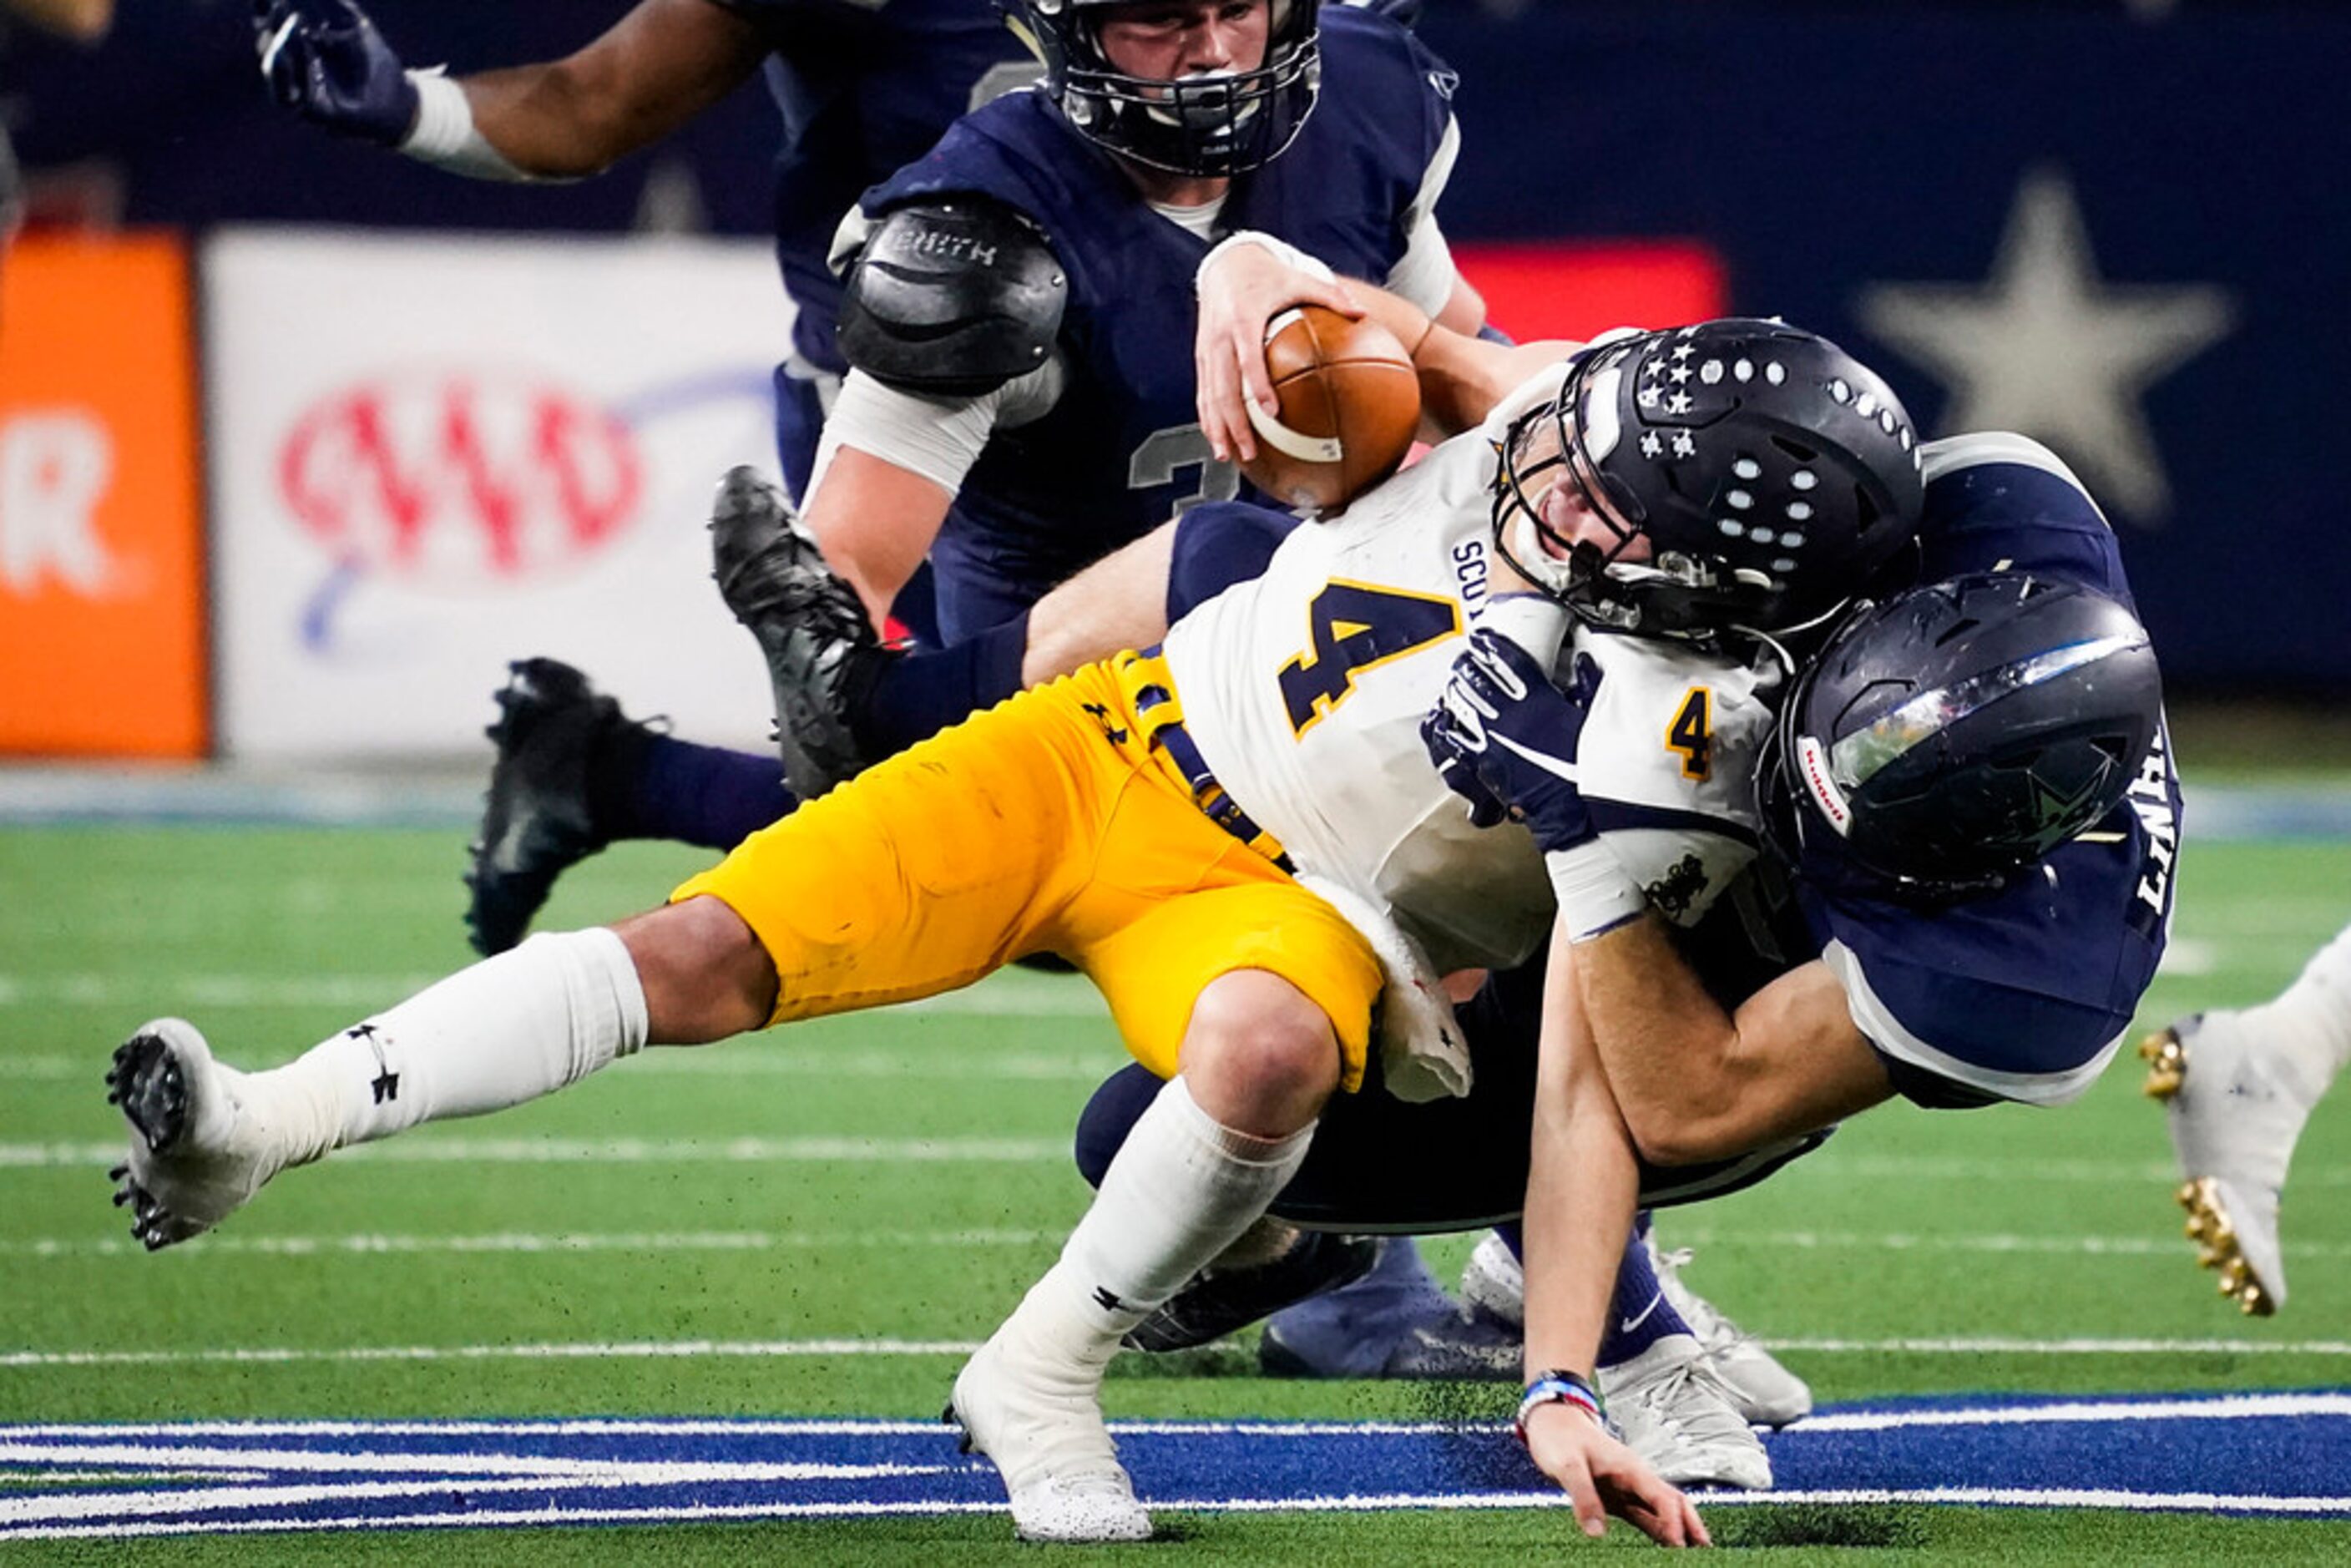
pixel 1673 893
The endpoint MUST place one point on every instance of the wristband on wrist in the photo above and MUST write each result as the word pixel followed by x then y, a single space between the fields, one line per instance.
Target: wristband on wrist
pixel 1280 250
pixel 1595 896
pixel 445 134
pixel 1560 1388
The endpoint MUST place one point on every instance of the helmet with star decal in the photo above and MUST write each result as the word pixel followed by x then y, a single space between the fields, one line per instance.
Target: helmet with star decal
pixel 1745 474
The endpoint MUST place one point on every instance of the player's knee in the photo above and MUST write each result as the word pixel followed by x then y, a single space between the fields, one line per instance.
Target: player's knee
pixel 705 972
pixel 1261 1057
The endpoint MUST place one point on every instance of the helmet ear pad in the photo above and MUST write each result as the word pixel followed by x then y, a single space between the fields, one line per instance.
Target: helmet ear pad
pixel 1949 738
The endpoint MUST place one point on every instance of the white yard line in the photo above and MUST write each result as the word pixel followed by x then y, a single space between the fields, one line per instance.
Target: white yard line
pixel 2262 1406
pixel 2165 1243
pixel 1013 994
pixel 370 1244
pixel 432 1149
pixel 53 1509
pixel 773 1058
pixel 693 1350
pixel 438 1148
pixel 1996 1345
pixel 2135 1501
pixel 373 1246
pixel 662 1350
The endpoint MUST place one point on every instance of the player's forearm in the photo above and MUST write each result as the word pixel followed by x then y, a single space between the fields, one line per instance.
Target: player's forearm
pixel 657 67
pixel 875 522
pixel 1465 308
pixel 1446 370
pixel 1695 1082
pixel 1583 1184
pixel 1462 375
pixel 1670 1051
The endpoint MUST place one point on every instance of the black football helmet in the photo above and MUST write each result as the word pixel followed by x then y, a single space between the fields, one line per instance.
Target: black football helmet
pixel 1770 472
pixel 1222 124
pixel 1945 740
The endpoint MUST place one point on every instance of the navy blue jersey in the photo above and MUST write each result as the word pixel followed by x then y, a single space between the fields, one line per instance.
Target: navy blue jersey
pixel 865 87
pixel 1121 451
pixel 2024 995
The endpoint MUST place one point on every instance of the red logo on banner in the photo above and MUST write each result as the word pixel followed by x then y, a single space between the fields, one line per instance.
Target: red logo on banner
pixel 461 478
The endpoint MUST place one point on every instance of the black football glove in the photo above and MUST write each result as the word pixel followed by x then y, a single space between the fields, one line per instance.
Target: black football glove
pixel 331 65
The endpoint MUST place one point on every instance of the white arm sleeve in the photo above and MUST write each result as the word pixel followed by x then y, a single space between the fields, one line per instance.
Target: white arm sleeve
pixel 1424 275
pixel 445 134
pixel 937 438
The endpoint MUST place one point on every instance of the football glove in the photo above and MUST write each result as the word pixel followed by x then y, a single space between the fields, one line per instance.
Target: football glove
pixel 1503 737
pixel 334 69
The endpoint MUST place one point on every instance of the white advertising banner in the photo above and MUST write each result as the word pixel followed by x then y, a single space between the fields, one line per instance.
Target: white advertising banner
pixel 434 455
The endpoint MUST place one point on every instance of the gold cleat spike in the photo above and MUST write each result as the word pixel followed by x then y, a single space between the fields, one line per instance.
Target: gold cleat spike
pixel 2208 1226
pixel 2167 1065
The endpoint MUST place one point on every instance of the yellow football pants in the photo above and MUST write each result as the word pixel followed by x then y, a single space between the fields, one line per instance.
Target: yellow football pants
pixel 1048 823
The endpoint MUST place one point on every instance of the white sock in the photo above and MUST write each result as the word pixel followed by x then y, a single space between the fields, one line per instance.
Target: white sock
pixel 508 1029
pixel 1182 1188
pixel 2309 1026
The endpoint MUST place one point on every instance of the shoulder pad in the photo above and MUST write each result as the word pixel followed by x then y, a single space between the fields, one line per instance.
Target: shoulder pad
pixel 953 295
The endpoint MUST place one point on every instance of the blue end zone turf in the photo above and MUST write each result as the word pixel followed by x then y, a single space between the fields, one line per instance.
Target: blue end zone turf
pixel 2267 1453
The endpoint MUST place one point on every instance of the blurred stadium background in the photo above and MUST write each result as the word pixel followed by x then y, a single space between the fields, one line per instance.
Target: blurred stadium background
pixel 300 442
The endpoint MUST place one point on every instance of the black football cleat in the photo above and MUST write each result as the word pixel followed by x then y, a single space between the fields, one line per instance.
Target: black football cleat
pixel 821 649
pixel 201 1142
pixel 1226 1301
pixel 536 822
pixel 147 1082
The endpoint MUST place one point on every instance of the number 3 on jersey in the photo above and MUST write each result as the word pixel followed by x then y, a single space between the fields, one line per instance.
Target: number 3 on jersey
pixel 1355 627
pixel 1691 733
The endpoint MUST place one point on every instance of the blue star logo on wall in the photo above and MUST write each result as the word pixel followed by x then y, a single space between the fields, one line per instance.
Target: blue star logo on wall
pixel 2047 347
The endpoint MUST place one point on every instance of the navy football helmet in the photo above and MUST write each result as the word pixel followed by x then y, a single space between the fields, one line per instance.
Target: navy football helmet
pixel 1770 472
pixel 1221 124
pixel 1947 739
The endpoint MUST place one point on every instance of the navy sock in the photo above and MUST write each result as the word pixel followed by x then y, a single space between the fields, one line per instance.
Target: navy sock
pixel 658 787
pixel 1639 1315
pixel 918 695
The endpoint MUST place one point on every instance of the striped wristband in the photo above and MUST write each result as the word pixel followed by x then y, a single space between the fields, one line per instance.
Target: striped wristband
pixel 1559 1388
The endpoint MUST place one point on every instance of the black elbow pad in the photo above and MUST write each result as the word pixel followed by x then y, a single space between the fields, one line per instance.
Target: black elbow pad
pixel 953 296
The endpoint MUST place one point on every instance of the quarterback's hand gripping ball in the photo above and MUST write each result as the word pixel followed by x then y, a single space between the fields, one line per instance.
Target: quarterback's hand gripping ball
pixel 1349 403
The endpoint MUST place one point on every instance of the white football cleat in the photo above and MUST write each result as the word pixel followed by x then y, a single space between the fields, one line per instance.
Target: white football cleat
pixel 1039 1417
pixel 1494 1285
pixel 1672 1409
pixel 1769 1394
pixel 200 1146
pixel 2234 1119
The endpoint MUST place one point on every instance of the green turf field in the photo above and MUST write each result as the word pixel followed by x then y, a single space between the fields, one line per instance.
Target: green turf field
pixel 820 1221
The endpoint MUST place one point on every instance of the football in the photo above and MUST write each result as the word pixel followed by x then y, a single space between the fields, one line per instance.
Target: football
pixel 1350 404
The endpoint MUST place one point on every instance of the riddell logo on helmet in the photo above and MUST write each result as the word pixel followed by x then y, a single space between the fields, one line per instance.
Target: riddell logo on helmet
pixel 461 479
pixel 1813 761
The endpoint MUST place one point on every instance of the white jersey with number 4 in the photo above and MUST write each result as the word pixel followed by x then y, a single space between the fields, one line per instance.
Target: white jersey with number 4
pixel 1305 688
